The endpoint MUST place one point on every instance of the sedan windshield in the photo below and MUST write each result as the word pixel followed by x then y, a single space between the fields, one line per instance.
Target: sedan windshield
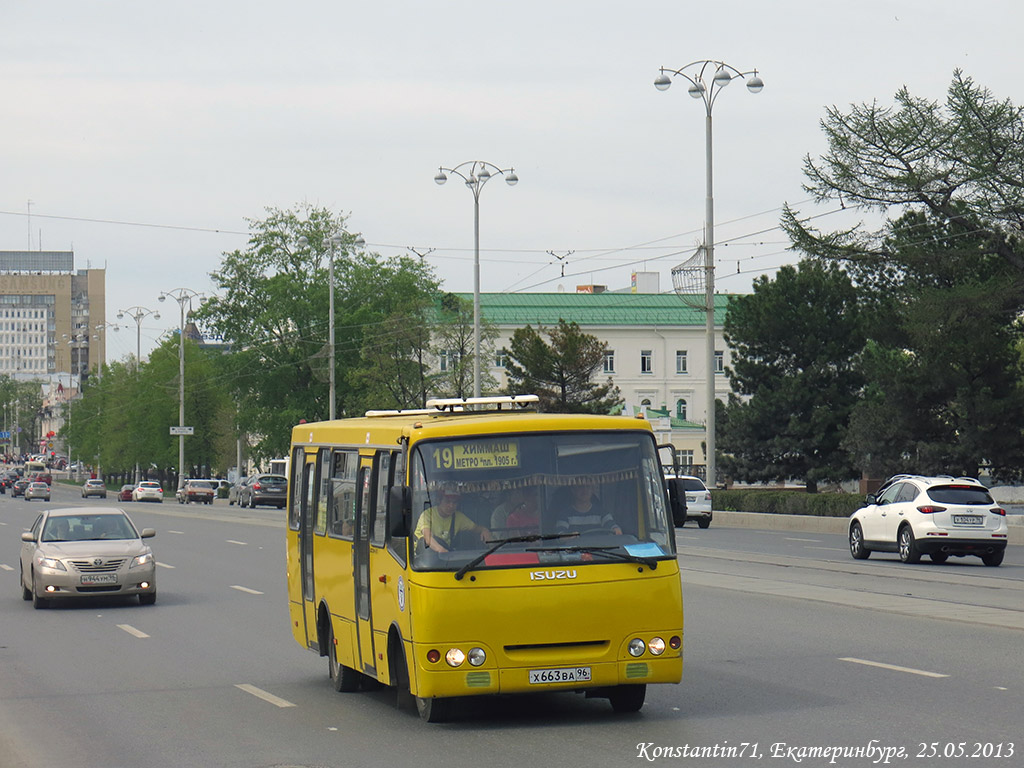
pixel 88 527
pixel 529 499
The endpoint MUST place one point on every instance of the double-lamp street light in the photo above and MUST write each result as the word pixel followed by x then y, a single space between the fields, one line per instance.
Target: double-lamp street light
pixel 138 314
pixel 183 296
pixel 707 79
pixel 336 241
pixel 475 174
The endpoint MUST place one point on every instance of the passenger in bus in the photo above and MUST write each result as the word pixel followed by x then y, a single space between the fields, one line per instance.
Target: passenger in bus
pixel 524 519
pixel 582 512
pixel 438 526
pixel 511 501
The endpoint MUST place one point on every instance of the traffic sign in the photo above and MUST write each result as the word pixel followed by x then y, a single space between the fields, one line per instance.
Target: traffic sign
pixel 182 430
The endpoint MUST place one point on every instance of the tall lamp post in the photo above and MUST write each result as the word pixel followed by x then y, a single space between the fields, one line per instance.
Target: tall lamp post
pixel 138 314
pixel 335 241
pixel 183 296
pixel 476 173
pixel 707 78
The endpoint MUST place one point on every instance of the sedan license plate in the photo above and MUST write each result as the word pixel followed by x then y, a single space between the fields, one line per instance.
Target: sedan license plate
pixel 968 520
pixel 99 578
pixel 562 675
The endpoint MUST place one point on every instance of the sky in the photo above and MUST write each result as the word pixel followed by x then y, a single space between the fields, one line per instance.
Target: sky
pixel 143 135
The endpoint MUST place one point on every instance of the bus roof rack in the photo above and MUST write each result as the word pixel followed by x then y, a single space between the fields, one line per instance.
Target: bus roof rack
pixel 479 404
pixel 408 412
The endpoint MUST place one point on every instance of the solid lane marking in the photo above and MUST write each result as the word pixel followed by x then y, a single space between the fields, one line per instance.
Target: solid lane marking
pixel 246 589
pixel 259 693
pixel 892 667
pixel 133 631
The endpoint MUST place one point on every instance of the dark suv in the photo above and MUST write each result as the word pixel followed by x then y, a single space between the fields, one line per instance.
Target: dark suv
pixel 268 490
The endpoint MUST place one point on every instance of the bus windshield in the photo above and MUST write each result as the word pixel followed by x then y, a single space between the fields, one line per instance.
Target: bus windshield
pixel 538 499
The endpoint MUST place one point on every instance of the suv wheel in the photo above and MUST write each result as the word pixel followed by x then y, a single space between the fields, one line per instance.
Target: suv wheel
pixel 857 548
pixel 909 553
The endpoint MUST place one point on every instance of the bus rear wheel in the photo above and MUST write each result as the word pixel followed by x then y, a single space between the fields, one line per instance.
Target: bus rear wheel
pixel 627 698
pixel 434 710
pixel 346 679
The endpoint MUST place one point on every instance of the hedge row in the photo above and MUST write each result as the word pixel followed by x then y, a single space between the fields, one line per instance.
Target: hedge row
pixel 787 502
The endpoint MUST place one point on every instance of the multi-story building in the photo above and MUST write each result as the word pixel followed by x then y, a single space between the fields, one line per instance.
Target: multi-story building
pixel 656 350
pixel 51 316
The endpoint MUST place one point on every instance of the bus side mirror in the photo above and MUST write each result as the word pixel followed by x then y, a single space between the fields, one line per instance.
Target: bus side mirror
pixel 400 509
pixel 677 500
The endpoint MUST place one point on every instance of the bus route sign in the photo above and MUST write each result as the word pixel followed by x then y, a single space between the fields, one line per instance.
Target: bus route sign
pixel 478 454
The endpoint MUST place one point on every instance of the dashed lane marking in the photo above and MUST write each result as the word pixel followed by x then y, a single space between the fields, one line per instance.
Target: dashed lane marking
pixel 259 693
pixel 892 667
pixel 133 631
pixel 239 543
pixel 246 590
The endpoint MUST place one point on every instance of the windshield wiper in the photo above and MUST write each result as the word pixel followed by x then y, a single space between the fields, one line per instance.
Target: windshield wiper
pixel 610 551
pixel 501 543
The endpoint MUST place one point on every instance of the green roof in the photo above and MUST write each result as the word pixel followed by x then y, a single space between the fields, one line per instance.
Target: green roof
pixel 594 309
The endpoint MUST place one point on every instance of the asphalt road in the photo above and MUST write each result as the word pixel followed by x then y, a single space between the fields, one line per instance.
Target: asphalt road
pixel 788 642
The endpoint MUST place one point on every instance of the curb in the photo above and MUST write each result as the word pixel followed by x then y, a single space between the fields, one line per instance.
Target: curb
pixel 812 524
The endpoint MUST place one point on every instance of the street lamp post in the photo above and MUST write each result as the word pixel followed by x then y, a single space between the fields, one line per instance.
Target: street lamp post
pixel 707 78
pixel 477 174
pixel 183 296
pixel 336 241
pixel 137 314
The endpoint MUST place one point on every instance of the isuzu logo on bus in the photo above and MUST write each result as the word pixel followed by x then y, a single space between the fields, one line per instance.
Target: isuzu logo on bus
pixel 550 575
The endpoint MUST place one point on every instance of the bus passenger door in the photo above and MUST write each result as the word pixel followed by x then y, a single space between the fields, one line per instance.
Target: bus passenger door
pixel 361 567
pixel 306 522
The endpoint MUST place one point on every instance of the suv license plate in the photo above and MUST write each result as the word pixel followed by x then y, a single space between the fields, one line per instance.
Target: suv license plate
pixel 968 520
pixel 562 675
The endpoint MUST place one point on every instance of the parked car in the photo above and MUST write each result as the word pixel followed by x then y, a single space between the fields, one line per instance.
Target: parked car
pixel 125 494
pixel 37 490
pixel 198 491
pixel 935 516
pixel 80 552
pixel 148 490
pixel 18 489
pixel 266 490
pixel 698 500
pixel 94 488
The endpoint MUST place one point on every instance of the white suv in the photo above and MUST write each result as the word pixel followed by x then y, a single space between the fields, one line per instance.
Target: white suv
pixel 934 516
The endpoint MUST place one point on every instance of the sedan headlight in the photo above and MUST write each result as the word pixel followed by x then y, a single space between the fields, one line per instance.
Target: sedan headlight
pixel 140 560
pixel 50 562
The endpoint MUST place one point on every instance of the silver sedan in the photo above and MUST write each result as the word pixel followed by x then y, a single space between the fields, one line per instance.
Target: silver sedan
pixel 82 552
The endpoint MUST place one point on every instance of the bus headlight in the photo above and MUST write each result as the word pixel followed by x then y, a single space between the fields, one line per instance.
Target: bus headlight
pixel 454 657
pixel 656 646
pixel 477 656
pixel 636 647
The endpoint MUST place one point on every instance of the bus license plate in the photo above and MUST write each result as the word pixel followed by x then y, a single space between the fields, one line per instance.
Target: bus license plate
pixel 967 520
pixel 563 675
pixel 100 578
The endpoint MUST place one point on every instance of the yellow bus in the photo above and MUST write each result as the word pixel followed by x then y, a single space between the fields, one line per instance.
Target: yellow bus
pixel 480 547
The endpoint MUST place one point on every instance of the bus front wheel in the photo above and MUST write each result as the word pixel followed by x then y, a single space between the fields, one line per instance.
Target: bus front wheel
pixel 627 698
pixel 434 710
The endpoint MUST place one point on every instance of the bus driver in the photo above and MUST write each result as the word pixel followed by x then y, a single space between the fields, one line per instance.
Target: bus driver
pixel 439 525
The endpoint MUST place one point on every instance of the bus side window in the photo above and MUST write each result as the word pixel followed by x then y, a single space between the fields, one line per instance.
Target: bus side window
pixel 342 505
pixel 380 513
pixel 323 490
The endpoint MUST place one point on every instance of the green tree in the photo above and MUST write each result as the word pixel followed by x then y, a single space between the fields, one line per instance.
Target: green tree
pixel 272 305
pixel 453 339
pixel 943 282
pixel 560 371
pixel 794 342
